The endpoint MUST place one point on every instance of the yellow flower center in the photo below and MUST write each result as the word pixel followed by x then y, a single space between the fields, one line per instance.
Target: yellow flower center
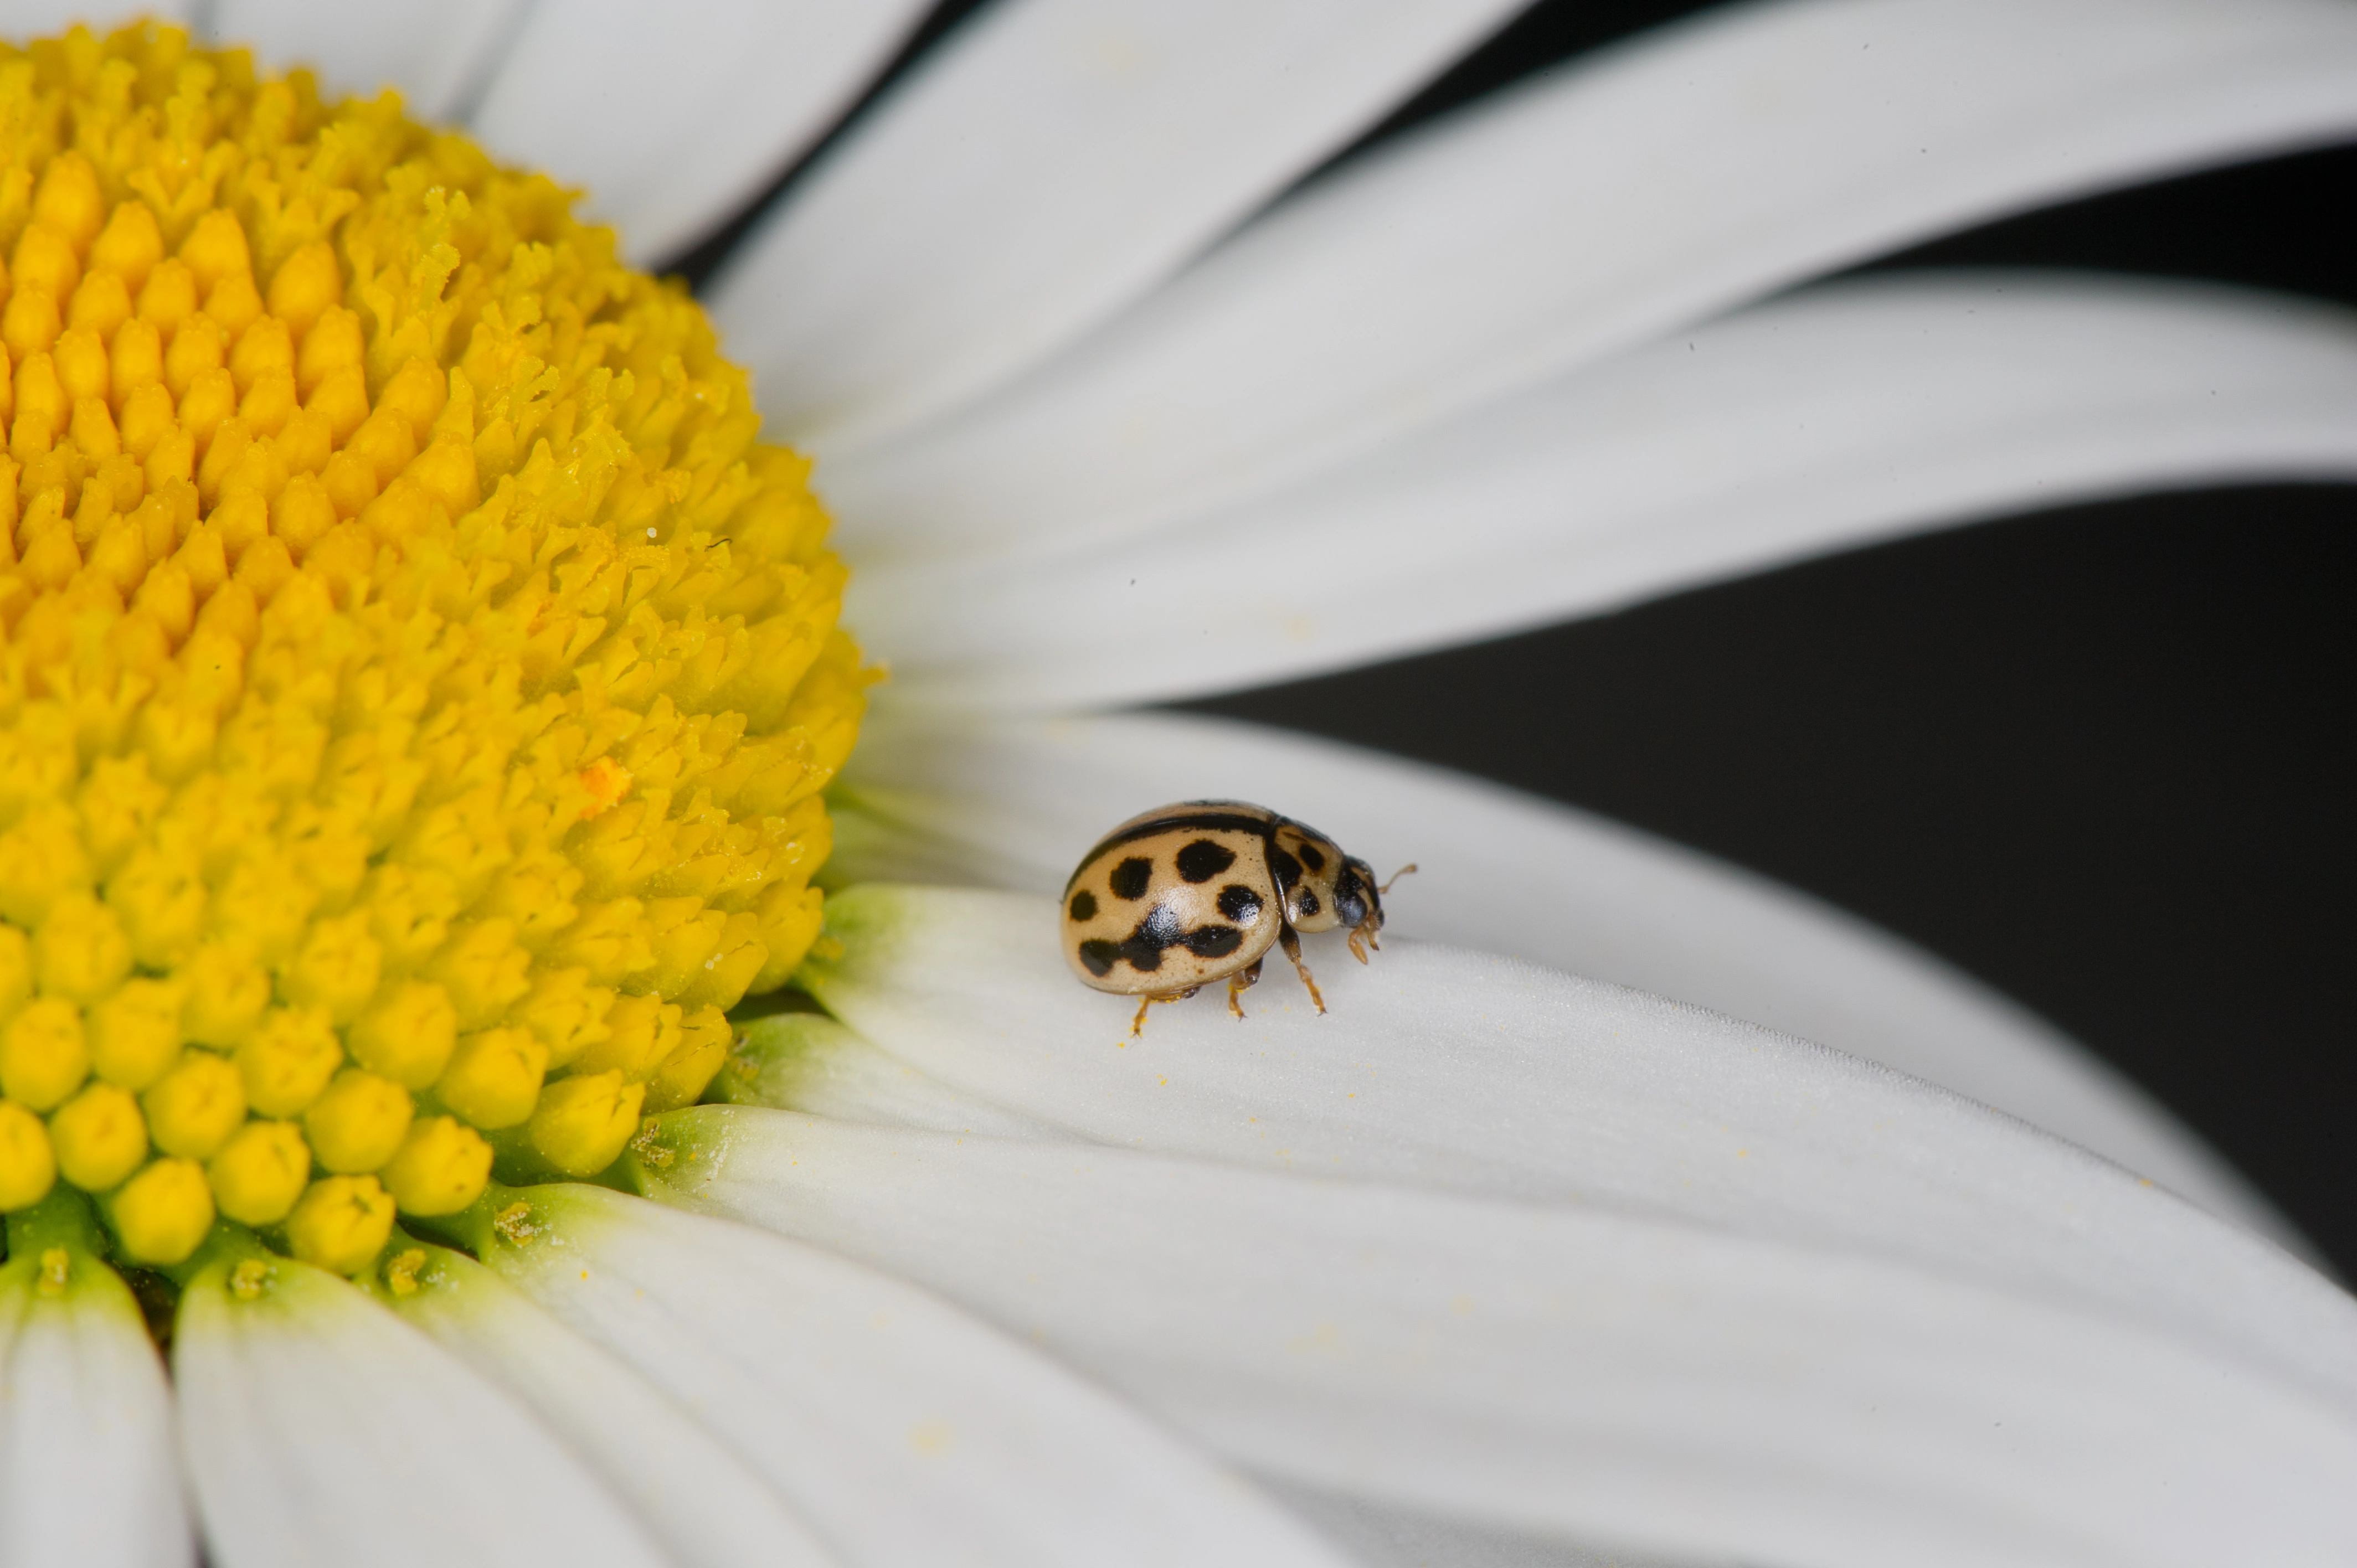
pixel 417 681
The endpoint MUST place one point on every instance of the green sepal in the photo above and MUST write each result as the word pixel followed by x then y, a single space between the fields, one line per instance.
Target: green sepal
pixel 769 1004
pixel 682 1148
pixel 773 1059
pixel 517 1163
pixel 432 1274
pixel 64 1219
pixel 494 1220
pixel 861 924
pixel 464 1230
pixel 228 1245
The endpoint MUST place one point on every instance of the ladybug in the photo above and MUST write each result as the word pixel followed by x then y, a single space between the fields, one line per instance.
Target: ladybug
pixel 1184 894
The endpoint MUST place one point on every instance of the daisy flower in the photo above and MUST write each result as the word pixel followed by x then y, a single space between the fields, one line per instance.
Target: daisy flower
pixel 425 721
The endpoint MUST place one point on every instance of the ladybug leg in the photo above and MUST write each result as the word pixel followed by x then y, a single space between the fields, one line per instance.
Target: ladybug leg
pixel 1137 1025
pixel 1292 946
pixel 1239 982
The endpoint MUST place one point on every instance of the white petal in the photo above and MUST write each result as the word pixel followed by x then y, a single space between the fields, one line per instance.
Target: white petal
pixel 1474 1073
pixel 88 1475
pixel 1840 417
pixel 1591 210
pixel 318 1428
pixel 905 1431
pixel 1014 804
pixel 691 1490
pixel 1595 1373
pixel 807 1061
pixel 1051 161
pixel 23 19
pixel 673 116
pixel 437 53
pixel 1387 1536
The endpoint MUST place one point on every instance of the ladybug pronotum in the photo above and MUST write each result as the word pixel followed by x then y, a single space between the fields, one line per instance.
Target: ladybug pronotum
pixel 1184 894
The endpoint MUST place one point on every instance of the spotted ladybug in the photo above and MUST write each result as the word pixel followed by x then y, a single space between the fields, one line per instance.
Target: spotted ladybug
pixel 1182 895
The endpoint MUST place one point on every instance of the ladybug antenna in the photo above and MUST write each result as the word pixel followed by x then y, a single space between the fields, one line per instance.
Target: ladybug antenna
pixel 1402 870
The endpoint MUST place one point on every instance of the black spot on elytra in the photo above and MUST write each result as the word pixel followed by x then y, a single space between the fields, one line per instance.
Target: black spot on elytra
pixel 1204 859
pixel 1084 907
pixel 1287 869
pixel 1143 948
pixel 1311 858
pixel 1214 941
pixel 1240 903
pixel 1130 878
pixel 1308 905
pixel 1161 927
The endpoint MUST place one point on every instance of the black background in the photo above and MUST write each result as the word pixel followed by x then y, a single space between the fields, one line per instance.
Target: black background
pixel 2099 756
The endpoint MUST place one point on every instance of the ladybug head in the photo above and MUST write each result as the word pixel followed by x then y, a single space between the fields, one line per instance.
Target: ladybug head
pixel 1357 900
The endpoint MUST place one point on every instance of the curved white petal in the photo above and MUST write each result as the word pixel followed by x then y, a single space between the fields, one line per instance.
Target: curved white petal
pixel 22 19
pixel 1384 1535
pixel 88 1475
pixel 318 1428
pixel 1612 1376
pixel 673 116
pixel 1473 1073
pixel 1049 163
pixel 437 53
pixel 692 1492
pixel 902 1429
pixel 1657 183
pixel 1834 419
pixel 807 1061
pixel 1015 803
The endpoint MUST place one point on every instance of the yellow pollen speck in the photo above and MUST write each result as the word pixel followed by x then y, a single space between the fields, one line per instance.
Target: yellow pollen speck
pixel 650 1147
pixel 57 1268
pixel 605 780
pixel 250 1279
pixel 514 1224
pixel 416 678
pixel 401 1271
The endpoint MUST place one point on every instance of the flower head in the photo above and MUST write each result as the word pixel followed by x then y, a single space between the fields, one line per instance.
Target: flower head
pixel 419 680
pixel 418 683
